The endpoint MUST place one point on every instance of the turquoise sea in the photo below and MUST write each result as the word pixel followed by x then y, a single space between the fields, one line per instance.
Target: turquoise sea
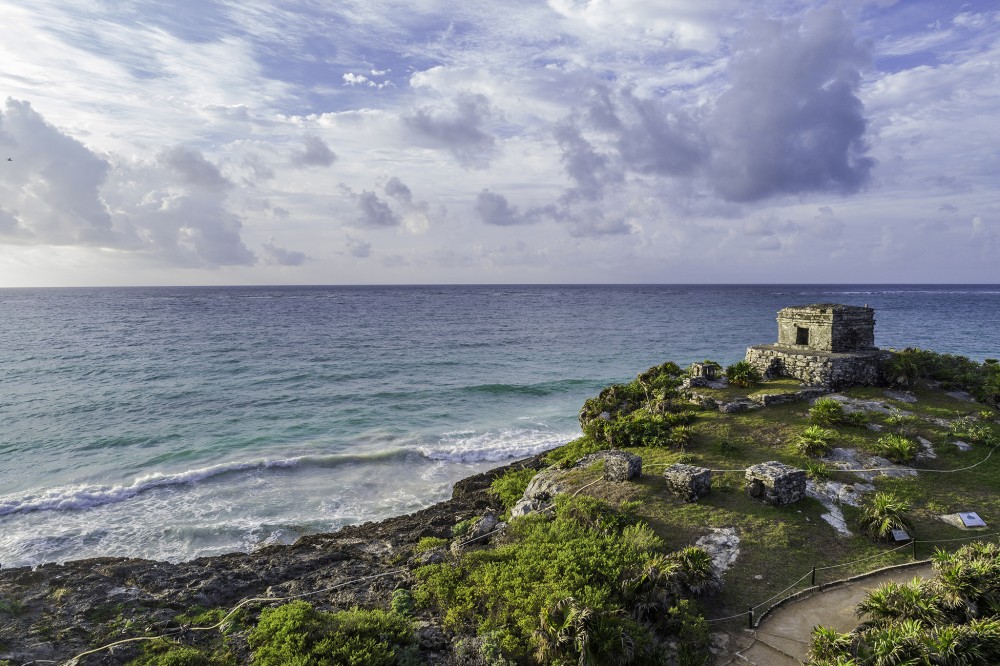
pixel 170 423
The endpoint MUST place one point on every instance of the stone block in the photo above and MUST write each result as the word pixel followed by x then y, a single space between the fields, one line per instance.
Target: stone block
pixel 688 482
pixel 621 466
pixel 775 483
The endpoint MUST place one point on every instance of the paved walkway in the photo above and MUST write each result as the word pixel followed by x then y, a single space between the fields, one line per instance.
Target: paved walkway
pixel 783 636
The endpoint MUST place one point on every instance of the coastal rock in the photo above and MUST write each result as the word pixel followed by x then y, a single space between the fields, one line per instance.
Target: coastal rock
pixel 901 396
pixel 852 405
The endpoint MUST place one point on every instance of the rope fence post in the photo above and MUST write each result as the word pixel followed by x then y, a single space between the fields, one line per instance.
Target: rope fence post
pixel 814 576
pixel 914 543
pixel 749 617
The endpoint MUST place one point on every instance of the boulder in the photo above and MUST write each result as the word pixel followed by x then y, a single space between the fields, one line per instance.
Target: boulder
pixel 621 466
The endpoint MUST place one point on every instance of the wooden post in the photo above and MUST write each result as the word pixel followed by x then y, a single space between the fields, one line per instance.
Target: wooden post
pixel 814 577
pixel 749 617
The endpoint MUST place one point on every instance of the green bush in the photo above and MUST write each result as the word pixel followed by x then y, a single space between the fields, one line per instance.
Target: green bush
pixel 638 428
pixel 462 527
pixel 161 652
pixel 590 553
pixel 950 619
pixel 895 447
pixel 296 634
pixel 817 471
pixel 655 390
pixel 827 412
pixel 429 543
pixel 510 486
pixel 881 513
pixel 402 602
pixel 814 441
pixel 953 372
pixel 970 429
pixel 743 374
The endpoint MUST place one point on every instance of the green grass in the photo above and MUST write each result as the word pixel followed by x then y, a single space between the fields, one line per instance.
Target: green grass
pixel 791 540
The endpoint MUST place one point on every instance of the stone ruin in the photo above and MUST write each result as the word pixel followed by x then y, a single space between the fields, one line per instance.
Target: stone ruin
pixel 775 483
pixel 701 375
pixel 688 482
pixel 825 344
pixel 621 466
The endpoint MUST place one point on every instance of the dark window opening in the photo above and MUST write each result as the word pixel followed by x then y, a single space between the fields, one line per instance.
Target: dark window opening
pixel 801 335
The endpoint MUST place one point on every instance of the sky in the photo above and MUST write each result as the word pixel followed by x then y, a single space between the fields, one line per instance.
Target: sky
pixel 158 142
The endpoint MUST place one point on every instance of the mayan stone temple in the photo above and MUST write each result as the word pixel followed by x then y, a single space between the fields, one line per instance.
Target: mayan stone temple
pixel 824 344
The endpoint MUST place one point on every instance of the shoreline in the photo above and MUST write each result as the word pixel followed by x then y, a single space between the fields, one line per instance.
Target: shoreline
pixel 89 589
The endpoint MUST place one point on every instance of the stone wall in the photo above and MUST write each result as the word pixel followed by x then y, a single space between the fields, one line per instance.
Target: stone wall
pixel 775 483
pixel 831 327
pixel 816 368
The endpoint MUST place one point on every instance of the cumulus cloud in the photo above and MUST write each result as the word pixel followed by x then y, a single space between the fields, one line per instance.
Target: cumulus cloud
pixel 375 213
pixel 590 170
pixel 58 192
pixel 494 209
pixel 792 121
pixel 657 137
pixel 193 169
pixel 282 256
pixel 461 129
pixel 357 247
pixel 51 189
pixel 314 154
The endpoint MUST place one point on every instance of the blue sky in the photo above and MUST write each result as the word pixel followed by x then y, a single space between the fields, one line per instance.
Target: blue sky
pixel 302 142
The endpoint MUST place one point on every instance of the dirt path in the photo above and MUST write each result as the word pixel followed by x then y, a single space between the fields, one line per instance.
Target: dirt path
pixel 783 636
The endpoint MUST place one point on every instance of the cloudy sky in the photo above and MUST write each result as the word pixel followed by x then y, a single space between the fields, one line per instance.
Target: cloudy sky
pixel 525 141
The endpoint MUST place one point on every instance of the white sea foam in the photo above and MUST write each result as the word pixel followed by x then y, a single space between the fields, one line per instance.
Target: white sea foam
pixel 493 446
pixel 86 496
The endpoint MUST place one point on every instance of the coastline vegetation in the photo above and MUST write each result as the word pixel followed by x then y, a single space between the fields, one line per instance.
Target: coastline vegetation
pixel 609 575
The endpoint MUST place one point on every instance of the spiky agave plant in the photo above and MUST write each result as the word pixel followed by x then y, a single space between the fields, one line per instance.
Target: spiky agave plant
pixel 882 513
pixel 894 602
pixel 828 645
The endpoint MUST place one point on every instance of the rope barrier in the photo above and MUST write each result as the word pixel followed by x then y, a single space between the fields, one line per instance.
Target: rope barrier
pixel 863 559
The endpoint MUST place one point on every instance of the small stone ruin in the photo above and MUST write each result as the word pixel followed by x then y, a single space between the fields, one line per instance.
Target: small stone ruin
pixel 688 482
pixel 621 466
pixel 775 483
pixel 701 375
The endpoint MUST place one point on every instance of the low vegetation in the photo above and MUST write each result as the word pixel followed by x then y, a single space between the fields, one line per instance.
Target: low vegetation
pixel 953 618
pixel 743 374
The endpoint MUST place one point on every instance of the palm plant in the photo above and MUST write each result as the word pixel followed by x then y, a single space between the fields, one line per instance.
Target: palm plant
pixel 698 573
pixel 828 644
pixel 563 635
pixel 814 441
pixel 894 602
pixel 882 513
pixel 827 412
pixel 895 447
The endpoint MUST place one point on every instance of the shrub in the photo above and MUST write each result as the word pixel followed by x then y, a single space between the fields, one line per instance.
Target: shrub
pixel 460 528
pixel 655 389
pixel 968 428
pixel 577 571
pixel 881 513
pixel 298 634
pixel 638 428
pixel 567 454
pixel 510 486
pixel 817 471
pixel 402 602
pixel 429 543
pixel 162 652
pixel 814 441
pixel 743 374
pixel 895 447
pixel 827 412
pixel 680 437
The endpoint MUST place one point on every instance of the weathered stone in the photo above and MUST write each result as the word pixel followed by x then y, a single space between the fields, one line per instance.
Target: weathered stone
pixel 775 483
pixel 740 405
pixel 688 482
pixel 706 371
pixel 825 345
pixel 621 466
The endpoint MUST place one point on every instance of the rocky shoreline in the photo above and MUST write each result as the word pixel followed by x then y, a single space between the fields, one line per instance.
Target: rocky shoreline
pixel 56 611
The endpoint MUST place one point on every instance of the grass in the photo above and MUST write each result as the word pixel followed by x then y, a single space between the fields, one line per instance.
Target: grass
pixel 732 392
pixel 791 540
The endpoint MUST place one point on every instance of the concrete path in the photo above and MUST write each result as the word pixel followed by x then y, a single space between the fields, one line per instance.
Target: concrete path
pixel 783 636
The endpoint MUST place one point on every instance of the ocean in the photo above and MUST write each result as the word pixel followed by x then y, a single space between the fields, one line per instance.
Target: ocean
pixel 171 423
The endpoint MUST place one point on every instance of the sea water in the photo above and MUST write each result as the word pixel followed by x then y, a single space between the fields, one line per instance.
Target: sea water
pixel 170 423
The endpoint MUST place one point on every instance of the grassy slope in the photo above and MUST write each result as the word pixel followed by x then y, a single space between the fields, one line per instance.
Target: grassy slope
pixel 782 544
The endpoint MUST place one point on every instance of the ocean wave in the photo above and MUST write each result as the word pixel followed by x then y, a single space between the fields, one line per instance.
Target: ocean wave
pixel 456 447
pixel 493 446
